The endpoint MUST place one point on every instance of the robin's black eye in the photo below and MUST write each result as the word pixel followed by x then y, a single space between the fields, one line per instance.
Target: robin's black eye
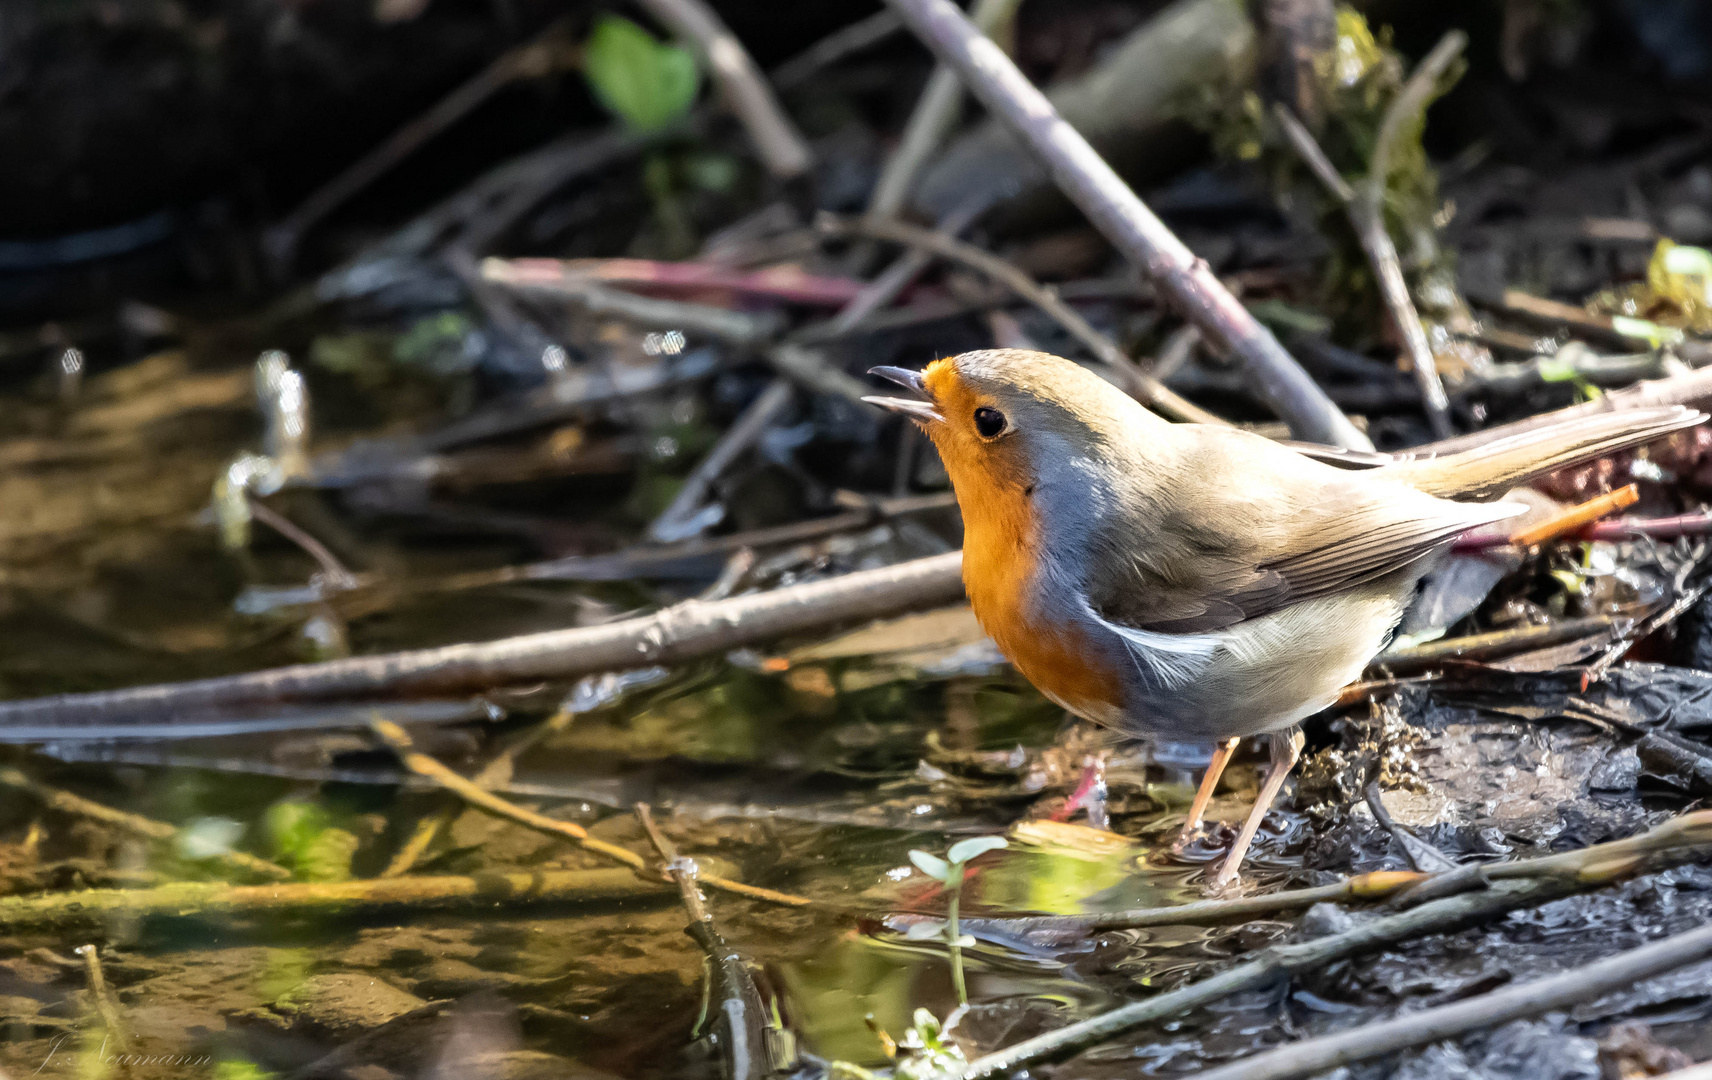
pixel 989 422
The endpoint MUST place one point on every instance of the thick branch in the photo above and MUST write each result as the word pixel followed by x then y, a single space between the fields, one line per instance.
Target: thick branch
pixel 674 635
pixel 1116 211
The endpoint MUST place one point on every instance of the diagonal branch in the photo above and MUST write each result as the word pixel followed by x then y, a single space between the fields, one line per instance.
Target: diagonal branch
pixel 1133 229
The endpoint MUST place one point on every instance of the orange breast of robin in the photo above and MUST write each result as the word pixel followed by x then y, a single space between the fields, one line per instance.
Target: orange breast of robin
pixel 999 568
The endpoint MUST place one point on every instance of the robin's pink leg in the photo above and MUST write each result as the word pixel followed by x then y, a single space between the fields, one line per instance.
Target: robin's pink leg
pixel 1286 748
pixel 1222 752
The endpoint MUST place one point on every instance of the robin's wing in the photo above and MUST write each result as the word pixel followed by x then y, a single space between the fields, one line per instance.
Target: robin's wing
pixel 1239 543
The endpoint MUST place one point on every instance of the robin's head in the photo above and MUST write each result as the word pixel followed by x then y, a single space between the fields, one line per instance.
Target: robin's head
pixel 1010 418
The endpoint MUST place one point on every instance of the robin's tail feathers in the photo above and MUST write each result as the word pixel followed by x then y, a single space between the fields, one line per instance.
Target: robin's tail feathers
pixel 1492 469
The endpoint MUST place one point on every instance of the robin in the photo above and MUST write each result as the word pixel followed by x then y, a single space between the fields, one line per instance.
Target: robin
pixel 1198 582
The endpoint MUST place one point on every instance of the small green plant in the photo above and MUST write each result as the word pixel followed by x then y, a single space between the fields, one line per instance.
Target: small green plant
pixel 305 839
pixel 950 872
pixel 646 83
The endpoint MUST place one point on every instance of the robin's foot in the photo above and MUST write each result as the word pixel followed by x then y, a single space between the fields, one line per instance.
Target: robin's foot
pixel 1286 748
pixel 1222 751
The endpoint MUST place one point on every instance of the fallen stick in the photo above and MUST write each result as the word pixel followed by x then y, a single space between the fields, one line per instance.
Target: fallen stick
pixel 1315 1056
pixel 197 898
pixel 1675 841
pixel 481 798
pixel 1377 885
pixel 1116 211
pixel 780 146
pixel 683 632
pixel 1577 517
pixel 1148 390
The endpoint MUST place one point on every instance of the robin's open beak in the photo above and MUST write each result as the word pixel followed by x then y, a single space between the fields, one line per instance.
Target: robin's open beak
pixel 917 408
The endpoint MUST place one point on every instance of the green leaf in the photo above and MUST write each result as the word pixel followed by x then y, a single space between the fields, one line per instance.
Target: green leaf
pixel 965 850
pixel 646 83
pixel 931 865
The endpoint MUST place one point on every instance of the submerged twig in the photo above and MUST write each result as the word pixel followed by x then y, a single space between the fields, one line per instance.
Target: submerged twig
pixel 197 898
pixel 423 765
pixel 739 1027
pixel 1314 1056
pixel 332 570
pixel 105 1007
pixel 1146 388
pixel 76 805
pixel 496 772
pixel 1116 211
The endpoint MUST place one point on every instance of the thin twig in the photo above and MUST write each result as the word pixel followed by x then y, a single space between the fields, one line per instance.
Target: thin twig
pixel 1596 670
pixel 891 281
pixel 1315 1056
pixel 332 570
pixel 1495 644
pixel 681 871
pixel 778 143
pixel 1678 840
pixel 1689 388
pixel 1148 390
pixel 104 1004
pixel 1116 211
pixel 1422 855
pixel 423 765
pixel 67 803
pixel 496 772
pixel 935 115
pixel 738 328
pixel 745 432
pixel 1366 214
pixel 1406 110
pixel 549 51
pixel 835 46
